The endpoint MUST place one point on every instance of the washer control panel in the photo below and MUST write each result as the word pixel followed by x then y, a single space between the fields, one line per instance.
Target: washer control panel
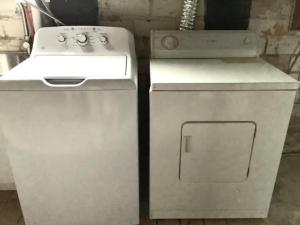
pixel 203 44
pixel 74 40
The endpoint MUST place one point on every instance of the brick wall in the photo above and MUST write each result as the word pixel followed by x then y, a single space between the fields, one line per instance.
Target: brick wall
pixel 11 30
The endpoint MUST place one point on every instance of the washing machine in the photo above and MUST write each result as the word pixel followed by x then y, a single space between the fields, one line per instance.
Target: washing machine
pixel 68 121
pixel 218 121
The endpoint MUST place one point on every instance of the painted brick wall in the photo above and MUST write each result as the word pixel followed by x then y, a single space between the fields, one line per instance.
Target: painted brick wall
pixel 271 17
pixel 11 30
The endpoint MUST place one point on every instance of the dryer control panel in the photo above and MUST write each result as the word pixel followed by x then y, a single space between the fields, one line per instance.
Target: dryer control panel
pixel 75 40
pixel 204 44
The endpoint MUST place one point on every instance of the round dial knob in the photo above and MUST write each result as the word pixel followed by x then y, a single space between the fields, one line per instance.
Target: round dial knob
pixel 103 40
pixel 169 42
pixel 61 38
pixel 82 39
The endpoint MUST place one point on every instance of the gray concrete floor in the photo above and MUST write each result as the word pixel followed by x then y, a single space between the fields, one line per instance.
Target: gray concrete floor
pixel 285 207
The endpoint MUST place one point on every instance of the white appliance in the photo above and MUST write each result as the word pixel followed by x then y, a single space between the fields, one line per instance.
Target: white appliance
pixel 68 121
pixel 218 121
pixel 7 62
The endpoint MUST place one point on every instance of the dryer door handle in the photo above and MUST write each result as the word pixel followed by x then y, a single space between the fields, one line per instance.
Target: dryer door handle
pixel 187 143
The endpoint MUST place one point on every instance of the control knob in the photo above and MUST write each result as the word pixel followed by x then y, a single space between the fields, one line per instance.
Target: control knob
pixel 82 39
pixel 103 40
pixel 170 42
pixel 61 38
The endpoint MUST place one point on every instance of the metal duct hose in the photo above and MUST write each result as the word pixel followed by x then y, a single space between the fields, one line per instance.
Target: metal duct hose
pixel 189 10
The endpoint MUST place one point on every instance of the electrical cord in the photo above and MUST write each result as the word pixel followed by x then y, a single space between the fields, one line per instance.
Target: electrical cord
pixel 44 12
pixel 47 9
pixel 293 62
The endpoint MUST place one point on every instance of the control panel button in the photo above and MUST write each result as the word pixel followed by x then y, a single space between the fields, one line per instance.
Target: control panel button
pixel 61 38
pixel 103 40
pixel 170 42
pixel 82 39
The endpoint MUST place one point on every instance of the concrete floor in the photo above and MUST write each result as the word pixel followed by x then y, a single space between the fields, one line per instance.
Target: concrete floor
pixel 285 208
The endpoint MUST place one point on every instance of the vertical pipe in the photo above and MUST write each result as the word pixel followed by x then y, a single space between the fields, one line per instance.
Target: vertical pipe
pixel 24 21
pixel 26 43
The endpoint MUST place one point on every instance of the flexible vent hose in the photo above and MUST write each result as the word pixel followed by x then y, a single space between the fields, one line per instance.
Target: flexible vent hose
pixel 189 10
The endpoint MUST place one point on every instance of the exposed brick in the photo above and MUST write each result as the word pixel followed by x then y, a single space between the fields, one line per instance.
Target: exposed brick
pixel 271 9
pixel 271 17
pixel 128 24
pixel 11 44
pixel 143 27
pixel 11 26
pixel 116 9
pixel 282 62
pixel 287 44
pixel 269 27
pixel 10 20
pixel 295 23
pixel 166 8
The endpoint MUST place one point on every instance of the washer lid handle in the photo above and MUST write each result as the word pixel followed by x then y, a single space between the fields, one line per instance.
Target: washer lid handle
pixel 64 81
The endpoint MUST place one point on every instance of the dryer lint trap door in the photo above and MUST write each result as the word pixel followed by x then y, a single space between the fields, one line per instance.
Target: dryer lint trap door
pixel 216 151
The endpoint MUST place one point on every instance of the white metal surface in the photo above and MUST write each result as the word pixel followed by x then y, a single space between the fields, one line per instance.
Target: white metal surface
pixel 222 148
pixel 218 74
pixel 40 67
pixel 217 129
pixel 203 44
pixel 112 62
pixel 69 124
pixel 8 60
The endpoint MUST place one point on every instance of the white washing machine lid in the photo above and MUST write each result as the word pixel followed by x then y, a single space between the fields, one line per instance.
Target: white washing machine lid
pixel 82 72
pixel 218 74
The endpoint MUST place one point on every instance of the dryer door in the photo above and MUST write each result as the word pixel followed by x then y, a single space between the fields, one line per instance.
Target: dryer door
pixel 216 151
